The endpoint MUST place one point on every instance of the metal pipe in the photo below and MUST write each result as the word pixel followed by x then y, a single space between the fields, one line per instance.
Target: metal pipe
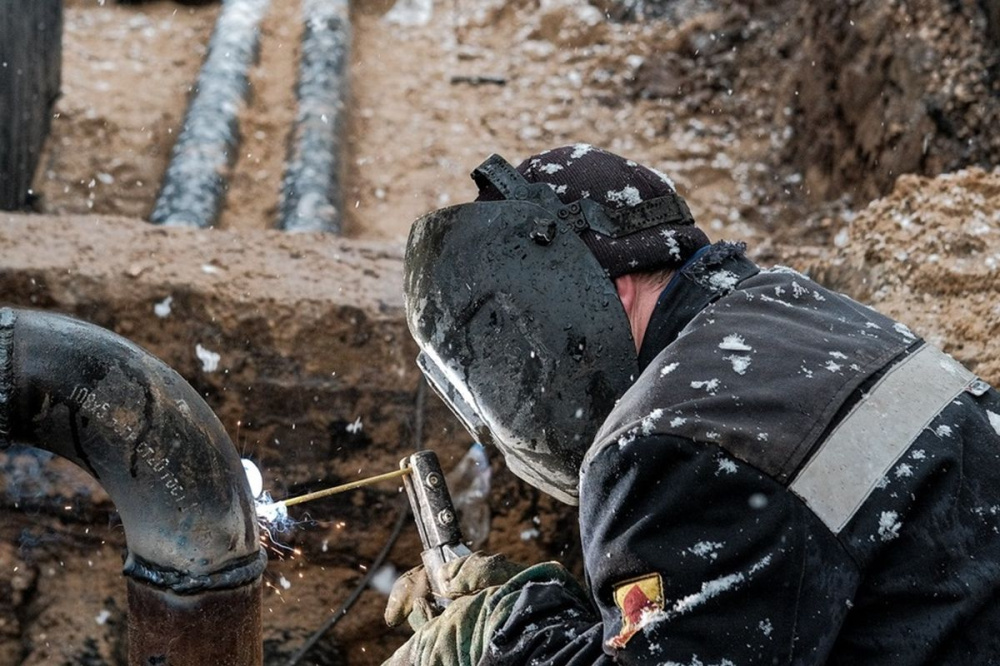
pixel 193 560
pixel 311 198
pixel 195 183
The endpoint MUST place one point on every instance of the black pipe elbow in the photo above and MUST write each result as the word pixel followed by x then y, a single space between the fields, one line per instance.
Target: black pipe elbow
pixel 148 438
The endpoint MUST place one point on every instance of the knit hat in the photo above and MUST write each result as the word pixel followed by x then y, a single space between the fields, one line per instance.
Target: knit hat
pixel 582 171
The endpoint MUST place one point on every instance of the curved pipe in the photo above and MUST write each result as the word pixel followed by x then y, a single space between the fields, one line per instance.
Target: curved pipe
pixel 162 455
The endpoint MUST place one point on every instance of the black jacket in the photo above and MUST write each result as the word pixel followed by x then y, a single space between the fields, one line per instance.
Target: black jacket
pixel 794 479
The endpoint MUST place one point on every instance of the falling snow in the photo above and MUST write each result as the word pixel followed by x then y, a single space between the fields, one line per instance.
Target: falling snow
pixel 628 195
pixel 627 438
pixel 889 525
pixel 903 330
pixel 740 363
pixel 768 299
pixel 726 466
pixel 994 420
pixel 667 369
pixel 723 280
pixel 649 423
pixel 209 359
pixel 710 385
pixel 673 247
pixel 410 12
pixel 664 177
pixel 706 549
pixel 734 342
pixel 162 309
pixel 384 579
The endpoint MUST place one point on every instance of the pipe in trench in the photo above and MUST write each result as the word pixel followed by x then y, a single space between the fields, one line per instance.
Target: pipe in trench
pixel 311 191
pixel 194 561
pixel 195 182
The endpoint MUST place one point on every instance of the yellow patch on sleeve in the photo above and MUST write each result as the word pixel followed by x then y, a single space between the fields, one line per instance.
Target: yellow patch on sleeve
pixel 635 599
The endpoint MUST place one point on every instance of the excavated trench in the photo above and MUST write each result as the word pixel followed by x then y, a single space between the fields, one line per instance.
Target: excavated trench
pixel 297 341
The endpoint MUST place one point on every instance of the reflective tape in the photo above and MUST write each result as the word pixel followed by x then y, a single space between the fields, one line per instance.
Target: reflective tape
pixel 866 444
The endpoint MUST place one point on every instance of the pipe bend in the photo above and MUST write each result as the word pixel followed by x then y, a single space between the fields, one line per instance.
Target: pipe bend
pixel 145 434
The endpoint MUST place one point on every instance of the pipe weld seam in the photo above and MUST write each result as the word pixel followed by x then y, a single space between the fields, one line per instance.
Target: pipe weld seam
pixel 8 317
pixel 244 571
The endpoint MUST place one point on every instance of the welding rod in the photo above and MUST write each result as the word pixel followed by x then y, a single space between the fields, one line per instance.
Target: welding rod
pixel 308 497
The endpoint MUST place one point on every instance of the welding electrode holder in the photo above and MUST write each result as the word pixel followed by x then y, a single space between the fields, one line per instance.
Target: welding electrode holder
pixel 435 516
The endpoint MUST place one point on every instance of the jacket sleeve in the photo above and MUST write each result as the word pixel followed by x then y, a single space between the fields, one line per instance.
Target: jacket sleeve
pixel 692 557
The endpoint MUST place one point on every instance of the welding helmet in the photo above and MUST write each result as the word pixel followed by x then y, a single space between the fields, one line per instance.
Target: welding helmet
pixel 520 329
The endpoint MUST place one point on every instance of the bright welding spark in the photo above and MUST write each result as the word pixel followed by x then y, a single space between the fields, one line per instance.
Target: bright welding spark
pixel 254 477
pixel 272 517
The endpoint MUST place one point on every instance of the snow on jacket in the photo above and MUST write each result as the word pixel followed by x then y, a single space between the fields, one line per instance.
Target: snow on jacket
pixel 793 479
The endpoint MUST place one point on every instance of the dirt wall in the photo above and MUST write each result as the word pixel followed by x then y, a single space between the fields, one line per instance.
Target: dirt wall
pixel 880 89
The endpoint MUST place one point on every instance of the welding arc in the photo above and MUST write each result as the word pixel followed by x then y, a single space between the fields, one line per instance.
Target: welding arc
pixel 308 497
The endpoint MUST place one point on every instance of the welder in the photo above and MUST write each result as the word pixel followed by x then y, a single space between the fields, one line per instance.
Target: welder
pixel 767 471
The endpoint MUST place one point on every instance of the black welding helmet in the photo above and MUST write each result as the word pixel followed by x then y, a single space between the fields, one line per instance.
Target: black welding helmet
pixel 520 328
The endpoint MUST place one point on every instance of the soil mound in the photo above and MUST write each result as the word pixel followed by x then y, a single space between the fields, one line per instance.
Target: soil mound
pixel 929 255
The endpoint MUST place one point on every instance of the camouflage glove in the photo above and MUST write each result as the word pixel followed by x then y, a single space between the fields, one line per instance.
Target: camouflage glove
pixel 462 633
pixel 411 599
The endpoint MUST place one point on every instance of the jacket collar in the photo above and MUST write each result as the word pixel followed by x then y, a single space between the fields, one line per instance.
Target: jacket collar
pixel 711 273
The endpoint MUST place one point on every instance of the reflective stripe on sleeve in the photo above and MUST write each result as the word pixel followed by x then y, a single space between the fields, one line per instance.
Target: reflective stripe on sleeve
pixel 865 445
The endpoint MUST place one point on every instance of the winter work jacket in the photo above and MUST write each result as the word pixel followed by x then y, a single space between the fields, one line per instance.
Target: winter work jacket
pixel 793 479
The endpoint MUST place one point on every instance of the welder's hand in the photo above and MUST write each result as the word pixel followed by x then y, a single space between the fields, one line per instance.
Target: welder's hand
pixel 411 599
pixel 461 634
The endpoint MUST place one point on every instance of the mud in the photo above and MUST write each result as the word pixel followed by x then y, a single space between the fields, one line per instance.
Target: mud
pixel 316 379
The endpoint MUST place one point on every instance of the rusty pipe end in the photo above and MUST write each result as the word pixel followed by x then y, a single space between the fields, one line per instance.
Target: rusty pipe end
pixel 218 627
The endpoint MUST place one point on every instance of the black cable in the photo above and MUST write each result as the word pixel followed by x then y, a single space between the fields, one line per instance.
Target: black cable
pixel 404 515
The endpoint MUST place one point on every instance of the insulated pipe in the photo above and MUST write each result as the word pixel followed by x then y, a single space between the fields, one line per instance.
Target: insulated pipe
pixel 310 197
pixel 193 560
pixel 195 183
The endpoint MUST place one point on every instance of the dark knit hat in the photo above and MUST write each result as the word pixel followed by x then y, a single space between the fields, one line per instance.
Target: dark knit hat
pixel 582 171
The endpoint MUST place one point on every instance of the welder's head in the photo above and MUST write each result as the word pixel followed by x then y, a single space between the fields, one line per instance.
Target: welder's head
pixel 512 303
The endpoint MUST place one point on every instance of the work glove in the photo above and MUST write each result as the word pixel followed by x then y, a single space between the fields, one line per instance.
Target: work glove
pixel 411 599
pixel 461 634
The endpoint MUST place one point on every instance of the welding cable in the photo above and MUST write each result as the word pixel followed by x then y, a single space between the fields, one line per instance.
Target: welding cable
pixel 404 516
